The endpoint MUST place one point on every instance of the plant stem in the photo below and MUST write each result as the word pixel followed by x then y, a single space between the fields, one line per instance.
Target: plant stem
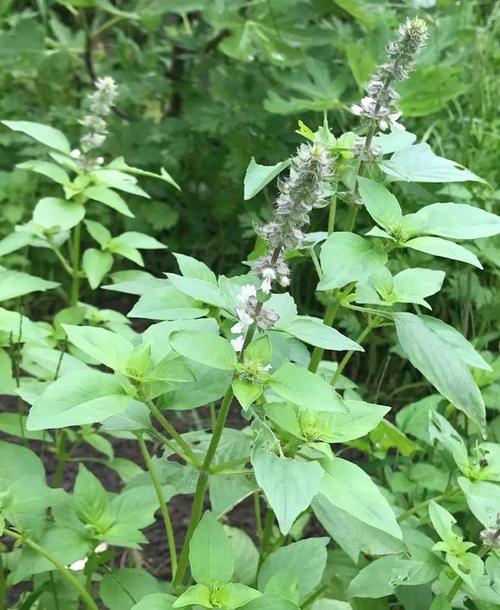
pixel 75 262
pixel 349 355
pixel 266 534
pixel 84 594
pixel 317 354
pixel 61 458
pixel 201 486
pixel 332 213
pixel 173 432
pixel 422 505
pixel 163 504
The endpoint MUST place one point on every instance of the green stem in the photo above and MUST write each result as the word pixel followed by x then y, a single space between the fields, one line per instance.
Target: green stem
pixel 421 506
pixel 201 487
pixel 266 534
pixel 318 352
pixel 84 594
pixel 61 458
pixel 75 262
pixel 332 213
pixel 169 530
pixel 349 355
pixel 186 447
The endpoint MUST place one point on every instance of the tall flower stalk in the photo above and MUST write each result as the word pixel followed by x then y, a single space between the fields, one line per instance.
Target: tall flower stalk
pixel 379 111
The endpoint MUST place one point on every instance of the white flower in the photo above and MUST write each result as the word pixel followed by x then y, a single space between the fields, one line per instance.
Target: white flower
pixel 75 153
pixel 238 343
pixel 79 565
pixel 268 274
pixel 246 291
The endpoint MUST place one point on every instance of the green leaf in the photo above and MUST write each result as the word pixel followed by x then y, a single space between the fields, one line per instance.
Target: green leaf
pixel 291 561
pixel 15 284
pixel 381 577
pixel 109 198
pixel 193 268
pixel 98 232
pixel 196 594
pixel 155 601
pixel 381 204
pixel 442 521
pixel 412 285
pixel 117 245
pixel 306 389
pixel 78 398
pixel 53 212
pixel 235 595
pixel 258 176
pixel 210 553
pixel 315 332
pixel 120 589
pixel 441 602
pixel 246 555
pixel 246 392
pixel 201 290
pixel 441 364
pixel 289 485
pixel 96 265
pixel 347 257
pixel 483 499
pixel 441 247
pixel 53 138
pixel 167 303
pixel 45 168
pixel 418 163
pixel 141 241
pixel 457 221
pixel 14 241
pixel 105 346
pixel 204 347
pixel 271 602
pixel 355 513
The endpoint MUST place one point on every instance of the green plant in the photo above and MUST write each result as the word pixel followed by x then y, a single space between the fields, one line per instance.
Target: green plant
pixel 412 519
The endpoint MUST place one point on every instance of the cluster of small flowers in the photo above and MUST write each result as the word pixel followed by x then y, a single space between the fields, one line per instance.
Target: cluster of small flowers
pixel 305 188
pixel 249 312
pixel 100 104
pixel 379 105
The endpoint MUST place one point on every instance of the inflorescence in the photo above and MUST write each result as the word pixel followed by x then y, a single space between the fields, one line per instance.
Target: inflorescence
pixel 379 106
pixel 100 104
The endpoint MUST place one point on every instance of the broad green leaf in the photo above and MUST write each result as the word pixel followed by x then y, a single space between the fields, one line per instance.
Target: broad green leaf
pixel 198 595
pixel 65 544
pixel 381 577
pixel 246 555
pixel 235 595
pixel 17 462
pixel 96 265
pixel 355 513
pixel 98 232
pixel 306 389
pixel 13 425
pixel 167 303
pixel 396 139
pixel 201 290
pixel 210 384
pixel 453 337
pixel 441 247
pixel 120 589
pixel 118 245
pixel 52 212
pixel 418 163
pixel 141 241
pixel 19 328
pixel 210 553
pixel 258 176
pixel 204 347
pixel 362 417
pixel 271 602
pixel 315 332
pixel 246 392
pixel 193 268
pixel 291 561
pixel 381 204
pixel 289 485
pixel 347 257
pixel 15 284
pixel 110 198
pixel 483 499
pixel 53 138
pixel 442 521
pixel 45 168
pixel 441 364
pixel 78 398
pixel 105 346
pixel 457 221
pixel 441 602
pixel 14 241
pixel 413 285
pixel 155 601
pixel 26 495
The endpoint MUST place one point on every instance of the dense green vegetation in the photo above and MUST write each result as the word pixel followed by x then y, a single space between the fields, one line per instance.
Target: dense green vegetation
pixel 249 274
